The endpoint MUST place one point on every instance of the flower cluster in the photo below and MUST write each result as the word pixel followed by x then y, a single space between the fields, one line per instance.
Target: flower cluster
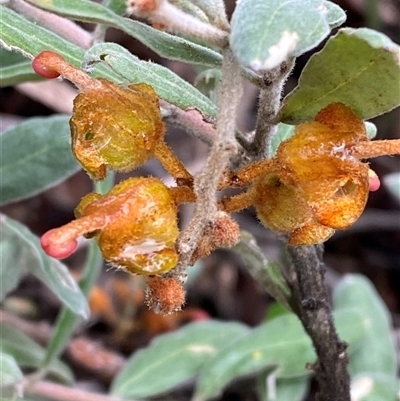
pixel 316 183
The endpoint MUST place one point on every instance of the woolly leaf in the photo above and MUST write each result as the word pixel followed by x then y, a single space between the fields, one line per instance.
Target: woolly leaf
pixel 265 33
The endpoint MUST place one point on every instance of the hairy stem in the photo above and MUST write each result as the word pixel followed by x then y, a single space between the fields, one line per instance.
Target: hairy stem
pixel 268 110
pixel 315 313
pixel 191 121
pixel 237 202
pixel 171 18
pixel 170 162
pixel 370 149
pixel 225 145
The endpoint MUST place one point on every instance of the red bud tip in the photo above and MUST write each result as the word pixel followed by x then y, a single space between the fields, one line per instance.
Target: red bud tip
pixel 198 315
pixel 55 250
pixel 41 66
pixel 374 182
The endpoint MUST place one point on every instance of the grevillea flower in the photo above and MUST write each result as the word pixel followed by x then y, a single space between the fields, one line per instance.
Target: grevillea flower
pixel 321 183
pixel 115 126
pixel 112 126
pixel 134 224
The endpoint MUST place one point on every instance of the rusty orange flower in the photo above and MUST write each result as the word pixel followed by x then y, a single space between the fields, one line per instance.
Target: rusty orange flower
pixel 112 126
pixel 134 224
pixel 318 181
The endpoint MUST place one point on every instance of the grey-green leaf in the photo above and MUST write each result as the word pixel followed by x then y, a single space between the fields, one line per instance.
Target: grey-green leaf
pixel 174 358
pixel 279 344
pixel 284 132
pixel 376 352
pixel 17 73
pixel 17 33
pixel 36 155
pixel 265 33
pixel 27 353
pixel 264 271
pixel 10 373
pixel 30 255
pixel 14 68
pixel 335 15
pixel 10 272
pixel 164 44
pixel 21 35
pixel 66 321
pixel 166 84
pixel 358 67
pixel 374 387
pixel 371 129
pixel 287 389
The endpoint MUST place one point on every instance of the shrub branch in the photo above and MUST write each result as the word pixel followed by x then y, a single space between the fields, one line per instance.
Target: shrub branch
pixel 311 294
pixel 224 146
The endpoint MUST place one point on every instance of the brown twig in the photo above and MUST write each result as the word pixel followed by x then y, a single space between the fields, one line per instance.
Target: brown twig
pixel 191 121
pixel 315 313
pixel 45 390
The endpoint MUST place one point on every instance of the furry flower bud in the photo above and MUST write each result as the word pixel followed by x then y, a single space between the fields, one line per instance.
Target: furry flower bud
pixel 115 127
pixel 135 225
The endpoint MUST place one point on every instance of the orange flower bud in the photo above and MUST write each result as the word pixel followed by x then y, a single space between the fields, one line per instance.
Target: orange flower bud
pixel 116 127
pixel 282 208
pixel 319 163
pixel 111 126
pixel 319 184
pixel 317 181
pixel 319 153
pixel 135 225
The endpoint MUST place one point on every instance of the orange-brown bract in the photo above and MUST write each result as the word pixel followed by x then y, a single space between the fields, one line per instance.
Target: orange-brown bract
pixel 164 294
pixel 115 127
pixel 221 232
pixel 320 185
